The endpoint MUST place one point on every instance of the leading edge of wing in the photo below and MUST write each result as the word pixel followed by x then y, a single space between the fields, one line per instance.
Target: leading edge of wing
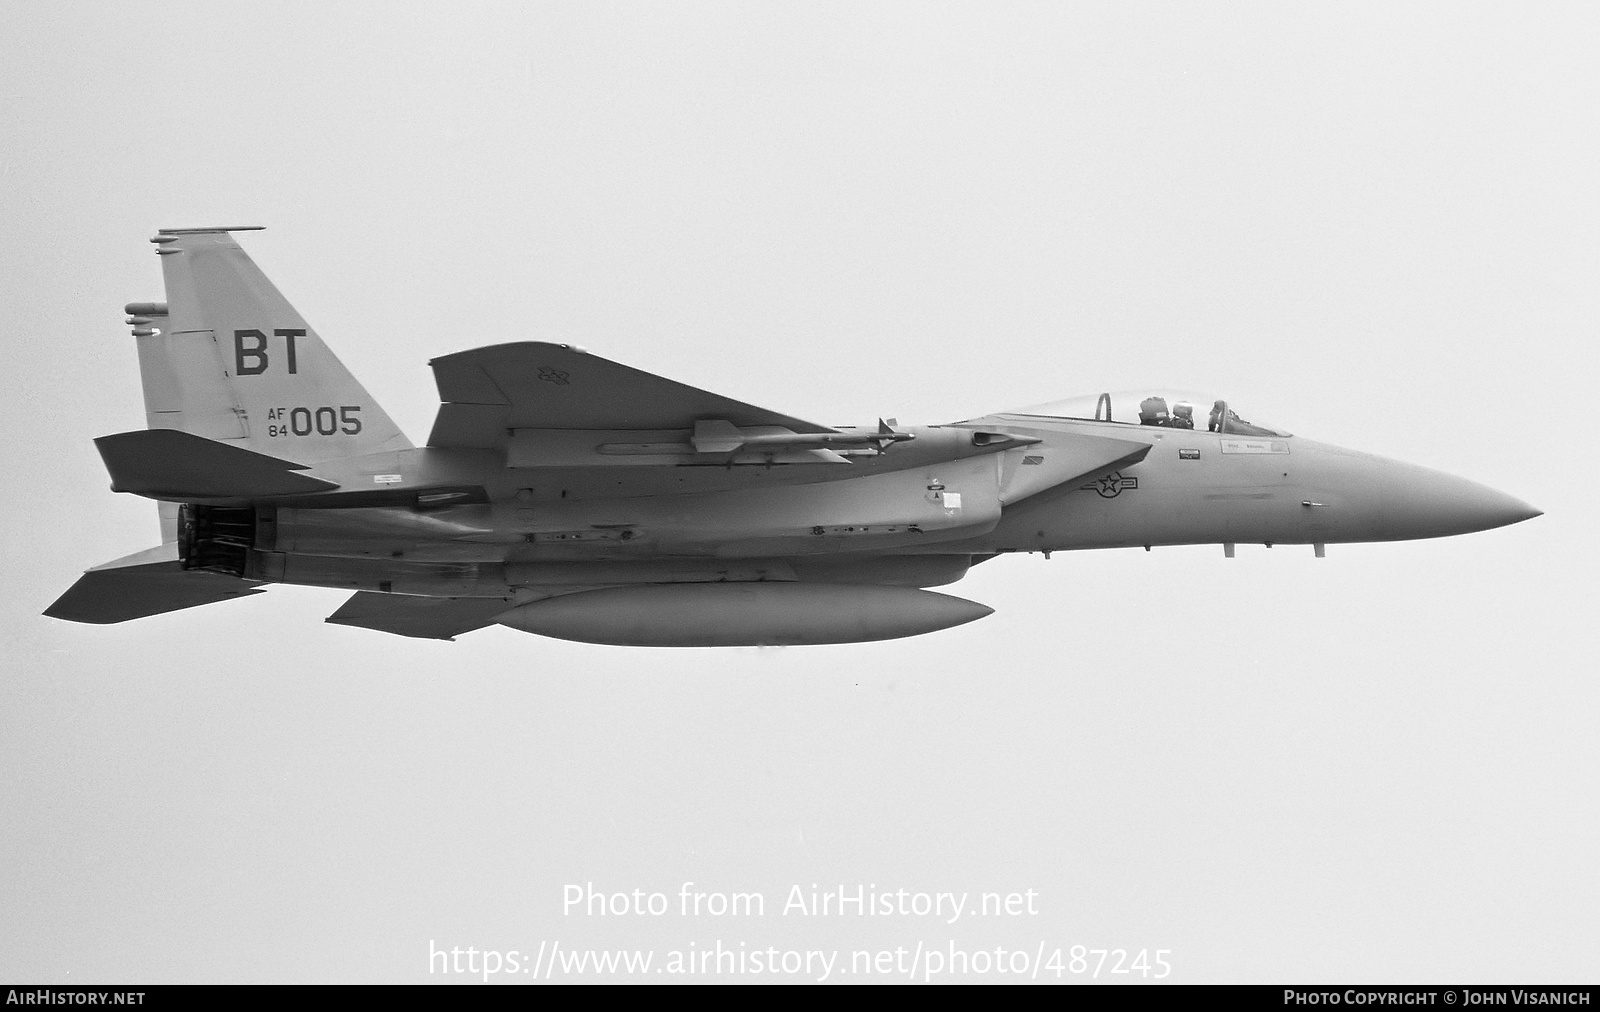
pixel 534 385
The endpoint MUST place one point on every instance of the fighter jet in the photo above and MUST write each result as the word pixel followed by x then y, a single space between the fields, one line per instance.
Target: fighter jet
pixel 564 494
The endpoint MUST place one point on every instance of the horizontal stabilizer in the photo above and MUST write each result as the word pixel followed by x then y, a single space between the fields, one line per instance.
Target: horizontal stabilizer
pixel 429 618
pixel 534 385
pixel 149 583
pixel 177 465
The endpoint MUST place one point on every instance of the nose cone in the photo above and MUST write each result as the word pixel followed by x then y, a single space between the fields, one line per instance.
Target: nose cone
pixel 1385 500
pixel 1421 503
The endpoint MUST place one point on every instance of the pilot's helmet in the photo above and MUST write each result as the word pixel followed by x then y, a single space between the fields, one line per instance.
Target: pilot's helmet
pixel 1183 415
pixel 1153 411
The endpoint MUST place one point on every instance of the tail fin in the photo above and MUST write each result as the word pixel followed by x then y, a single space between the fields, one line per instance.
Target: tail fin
pixel 226 357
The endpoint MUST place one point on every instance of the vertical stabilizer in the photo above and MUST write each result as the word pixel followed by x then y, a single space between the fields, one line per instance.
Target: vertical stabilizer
pixel 228 358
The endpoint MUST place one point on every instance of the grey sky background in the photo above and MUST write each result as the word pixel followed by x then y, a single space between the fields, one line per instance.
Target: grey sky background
pixel 1372 224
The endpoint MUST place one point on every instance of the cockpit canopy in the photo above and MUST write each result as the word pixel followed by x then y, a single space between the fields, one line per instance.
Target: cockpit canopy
pixel 1164 408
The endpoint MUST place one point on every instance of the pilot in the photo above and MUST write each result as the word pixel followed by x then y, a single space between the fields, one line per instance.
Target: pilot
pixel 1153 411
pixel 1218 411
pixel 1183 415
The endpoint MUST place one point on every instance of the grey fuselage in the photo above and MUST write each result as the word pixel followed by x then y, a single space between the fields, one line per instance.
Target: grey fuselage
pixel 882 518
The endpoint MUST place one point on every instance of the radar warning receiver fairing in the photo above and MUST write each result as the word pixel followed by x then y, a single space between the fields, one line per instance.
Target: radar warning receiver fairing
pixel 564 494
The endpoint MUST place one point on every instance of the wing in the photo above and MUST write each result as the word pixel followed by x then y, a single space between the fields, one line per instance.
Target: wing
pixel 430 618
pixel 533 385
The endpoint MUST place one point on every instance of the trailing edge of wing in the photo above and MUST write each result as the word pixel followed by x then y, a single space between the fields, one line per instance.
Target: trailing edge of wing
pixel 431 618
pixel 148 583
pixel 534 385
pixel 171 464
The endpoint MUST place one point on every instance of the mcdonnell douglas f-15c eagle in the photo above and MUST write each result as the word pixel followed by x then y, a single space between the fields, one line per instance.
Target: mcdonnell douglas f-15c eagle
pixel 563 494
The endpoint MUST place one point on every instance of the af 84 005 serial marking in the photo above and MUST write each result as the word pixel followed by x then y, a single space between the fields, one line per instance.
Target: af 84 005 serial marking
pixel 324 421
pixel 564 494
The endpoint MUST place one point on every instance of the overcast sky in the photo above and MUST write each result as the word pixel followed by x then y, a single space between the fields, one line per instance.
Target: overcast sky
pixel 1371 224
